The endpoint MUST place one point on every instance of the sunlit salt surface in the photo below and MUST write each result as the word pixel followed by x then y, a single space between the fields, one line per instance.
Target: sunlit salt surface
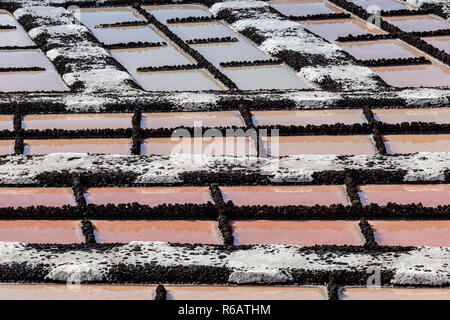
pixel 442 43
pixel 76 292
pixel 336 145
pixel 265 77
pixel 230 51
pixel 433 233
pixel 165 12
pixel 41 231
pixel 6 147
pixel 151 196
pixel 6 122
pixel 350 293
pixel 434 75
pixel 380 49
pixel 180 80
pixel 418 23
pixel 307 117
pixel 77 121
pixel 191 119
pixel 300 8
pixel 373 6
pixel 26 197
pixel 92 17
pixel 428 195
pixel 393 116
pixel 14 37
pixel 201 30
pixel 305 233
pixel 127 34
pixel 150 57
pixel 333 29
pixel 410 143
pixel 285 195
pixel 204 292
pixel 211 146
pixel 103 146
pixel 174 231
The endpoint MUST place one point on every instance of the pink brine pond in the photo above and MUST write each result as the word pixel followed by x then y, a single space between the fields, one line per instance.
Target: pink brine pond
pixel 27 197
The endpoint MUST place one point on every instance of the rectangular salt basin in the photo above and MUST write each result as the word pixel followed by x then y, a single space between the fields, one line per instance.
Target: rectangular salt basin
pixel 76 292
pixel 418 23
pixel 173 120
pixel 412 233
pixel 24 58
pixel 41 231
pixel 178 231
pixel 411 143
pixel 127 34
pixel 92 17
pixel 215 146
pixel 44 81
pixel 166 12
pixel 304 233
pixel 6 122
pixel 442 43
pixel 434 75
pixel 394 116
pixel 102 146
pixel 285 195
pixel 77 121
pixel 335 145
pixel 301 8
pixel 152 196
pixel 373 6
pixel 394 293
pixel 6 147
pixel 201 30
pixel 334 28
pixel 134 58
pixel 13 37
pixel 230 51
pixel 27 197
pixel 201 292
pixel 265 77
pixel 307 117
pixel 181 80
pixel 380 49
pixel 428 195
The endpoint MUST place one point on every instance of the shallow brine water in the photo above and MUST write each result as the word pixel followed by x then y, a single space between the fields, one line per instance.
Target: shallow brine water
pixel 201 30
pixel 380 49
pixel 335 145
pixel 165 12
pixel 191 119
pixel 77 121
pixel 27 197
pixel 410 143
pixel 393 116
pixel 300 8
pixel 178 231
pixel 6 147
pixel 305 233
pixel 103 146
pixel 14 37
pixel 305 117
pixel 394 294
pixel 442 43
pixel 128 34
pixel 373 6
pixel 92 17
pixel 6 122
pixel 418 23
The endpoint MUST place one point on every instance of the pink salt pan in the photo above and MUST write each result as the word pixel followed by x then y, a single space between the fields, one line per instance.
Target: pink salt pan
pixel 103 146
pixel 191 119
pixel 305 233
pixel 76 292
pixel 152 196
pixel 41 231
pixel 428 195
pixel 6 122
pixel 335 145
pixel 210 146
pixel 201 292
pixel 179 231
pixel 395 294
pixel 412 233
pixel 285 195
pixel 77 121
pixel 393 116
pixel 305 117
pixel 26 197
pixel 411 143
pixel 6 147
